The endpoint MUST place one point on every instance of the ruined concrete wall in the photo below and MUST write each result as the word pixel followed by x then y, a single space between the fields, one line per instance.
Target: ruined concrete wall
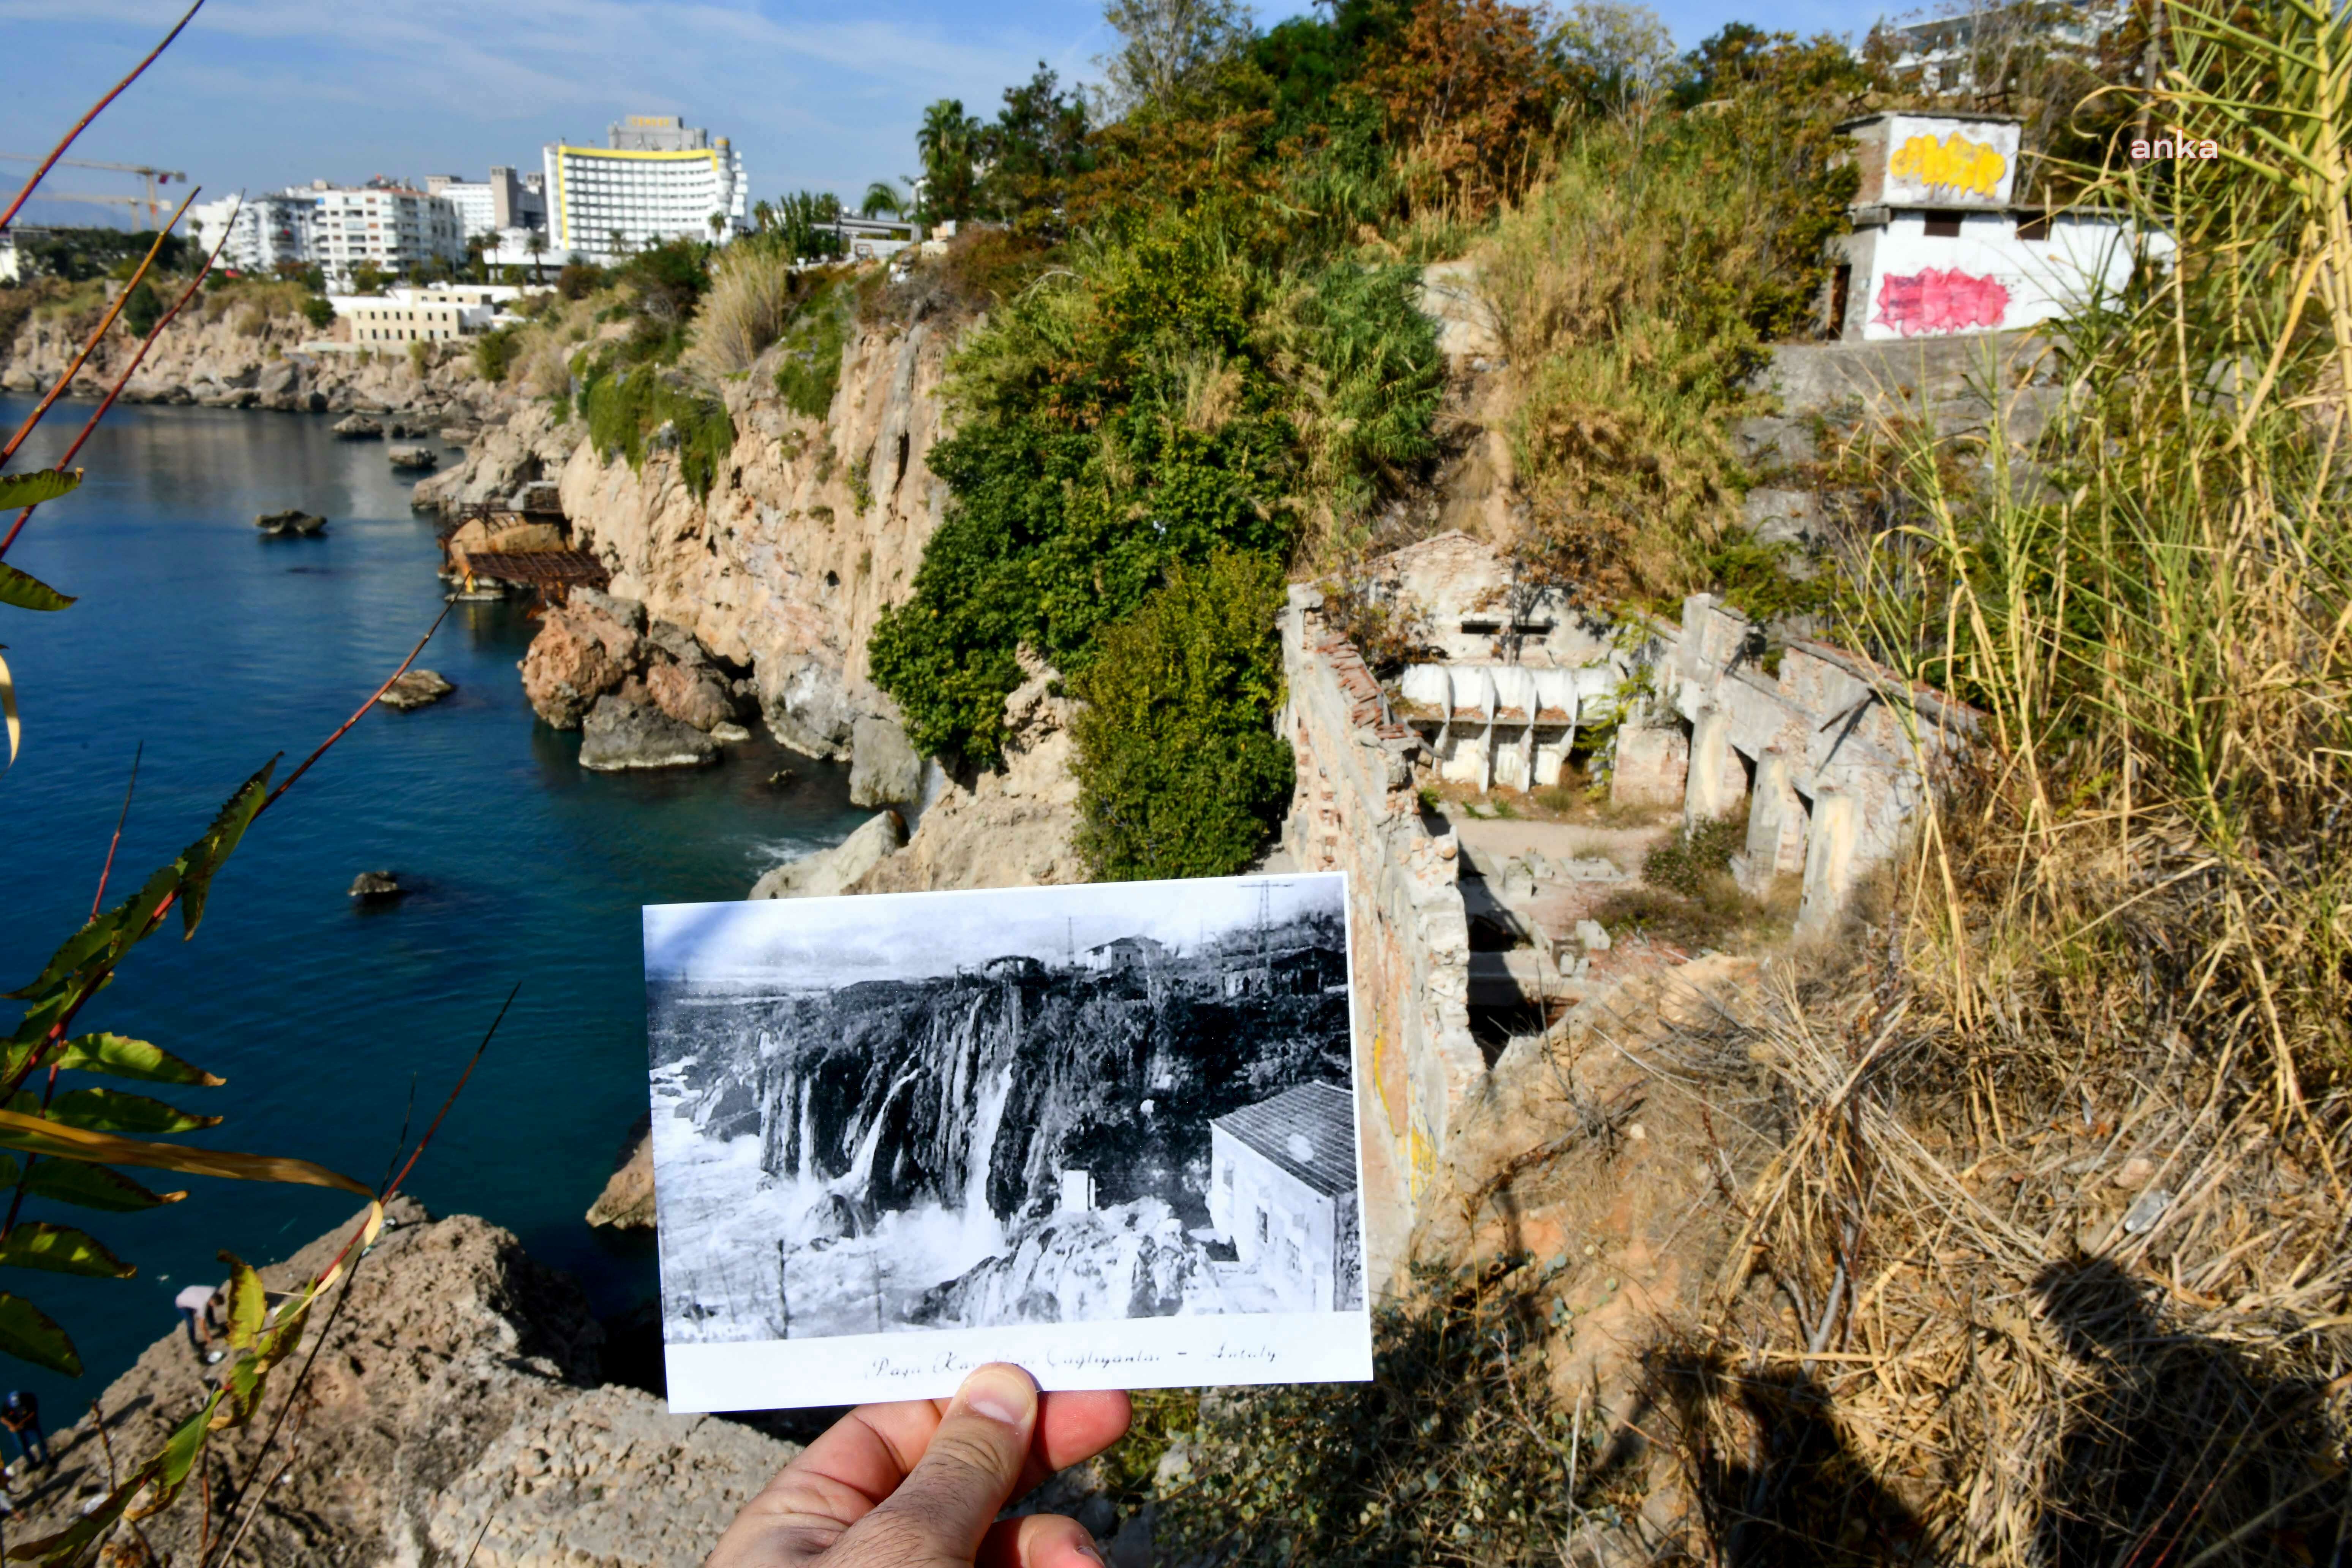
pixel 1825 756
pixel 1357 811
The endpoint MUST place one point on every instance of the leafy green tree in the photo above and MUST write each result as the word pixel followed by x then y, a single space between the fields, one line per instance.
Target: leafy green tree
pixel 1037 147
pixel 949 143
pixel 317 312
pixel 1169 49
pixel 803 224
pixel 1180 770
pixel 367 278
pixel 141 309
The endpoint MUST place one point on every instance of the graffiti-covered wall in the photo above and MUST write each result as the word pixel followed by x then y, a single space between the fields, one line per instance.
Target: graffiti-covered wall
pixel 2001 270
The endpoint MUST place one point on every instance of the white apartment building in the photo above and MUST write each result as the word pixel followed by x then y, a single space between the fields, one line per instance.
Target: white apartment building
pixel 505 200
pixel 263 230
pixel 658 179
pixel 387 226
pixel 1946 50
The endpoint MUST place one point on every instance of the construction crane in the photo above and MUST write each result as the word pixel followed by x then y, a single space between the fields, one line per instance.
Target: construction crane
pixel 153 177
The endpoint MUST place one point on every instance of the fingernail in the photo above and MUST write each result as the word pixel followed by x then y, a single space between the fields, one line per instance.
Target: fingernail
pixel 1002 1394
pixel 1084 1547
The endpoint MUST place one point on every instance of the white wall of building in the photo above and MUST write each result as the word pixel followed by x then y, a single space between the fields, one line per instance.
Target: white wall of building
pixel 1906 282
pixel 643 195
pixel 263 230
pixel 389 227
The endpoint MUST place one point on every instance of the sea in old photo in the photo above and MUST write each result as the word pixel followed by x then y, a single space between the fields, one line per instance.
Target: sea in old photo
pixel 1110 1105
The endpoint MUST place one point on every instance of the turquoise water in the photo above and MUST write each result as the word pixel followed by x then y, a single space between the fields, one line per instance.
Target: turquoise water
pixel 216 648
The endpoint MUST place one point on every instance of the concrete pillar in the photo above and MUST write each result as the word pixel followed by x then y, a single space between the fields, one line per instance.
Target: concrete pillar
pixel 1652 768
pixel 1828 862
pixel 1717 780
pixel 1776 824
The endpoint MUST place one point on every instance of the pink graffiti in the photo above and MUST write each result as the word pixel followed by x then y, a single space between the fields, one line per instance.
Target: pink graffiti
pixel 1938 300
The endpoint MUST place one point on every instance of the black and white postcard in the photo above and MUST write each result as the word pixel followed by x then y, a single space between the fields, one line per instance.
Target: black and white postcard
pixel 1107 1132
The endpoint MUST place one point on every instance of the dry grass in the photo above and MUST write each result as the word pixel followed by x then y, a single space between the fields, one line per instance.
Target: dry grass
pixel 747 308
pixel 2041 1253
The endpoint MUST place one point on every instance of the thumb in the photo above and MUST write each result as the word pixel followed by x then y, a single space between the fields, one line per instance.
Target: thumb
pixel 966 1476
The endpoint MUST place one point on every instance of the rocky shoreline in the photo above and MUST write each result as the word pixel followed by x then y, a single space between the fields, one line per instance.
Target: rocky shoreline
pixel 460 1396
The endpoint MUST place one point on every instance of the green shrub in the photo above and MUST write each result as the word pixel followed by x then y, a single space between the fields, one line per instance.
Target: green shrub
pixel 810 371
pixel 494 354
pixel 141 309
pixel 1179 772
pixel 1685 863
pixel 317 312
pixel 626 409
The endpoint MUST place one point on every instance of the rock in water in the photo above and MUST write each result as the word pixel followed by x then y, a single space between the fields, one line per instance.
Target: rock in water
pixel 376 885
pixel 358 428
pixel 585 648
pixel 416 689
pixel 293 523
pixel 457 1405
pixel 884 769
pixel 620 734
pixel 414 458
pixel 830 871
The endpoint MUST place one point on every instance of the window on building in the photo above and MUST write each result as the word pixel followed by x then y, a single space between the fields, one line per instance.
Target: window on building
pixel 1261 1231
pixel 1943 225
pixel 2035 226
pixel 1226 1176
pixel 1290 1256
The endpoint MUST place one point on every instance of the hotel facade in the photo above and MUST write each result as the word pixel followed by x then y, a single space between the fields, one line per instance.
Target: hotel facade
pixel 657 179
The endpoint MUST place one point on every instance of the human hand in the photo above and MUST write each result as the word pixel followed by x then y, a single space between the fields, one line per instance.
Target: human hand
pixel 918 1484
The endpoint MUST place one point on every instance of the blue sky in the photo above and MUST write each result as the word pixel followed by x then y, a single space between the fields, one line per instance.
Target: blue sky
pixel 262 94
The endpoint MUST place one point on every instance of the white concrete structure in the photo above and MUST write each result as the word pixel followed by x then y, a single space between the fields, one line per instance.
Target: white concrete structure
pixel 1940 245
pixel 506 200
pixel 435 312
pixel 263 231
pixel 659 179
pixel 386 226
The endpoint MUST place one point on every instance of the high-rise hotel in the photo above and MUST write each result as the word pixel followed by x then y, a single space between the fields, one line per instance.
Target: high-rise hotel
pixel 659 179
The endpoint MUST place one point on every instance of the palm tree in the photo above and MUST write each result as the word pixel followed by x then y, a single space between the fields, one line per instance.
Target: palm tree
pixel 619 242
pixel 718 227
pixel 536 243
pixel 948 140
pixel 882 196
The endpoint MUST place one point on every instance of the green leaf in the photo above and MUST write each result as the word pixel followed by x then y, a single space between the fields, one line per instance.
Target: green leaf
pixel 203 858
pixel 30 1334
pixel 40 485
pixel 86 1186
pixel 123 1057
pixel 248 1304
pixel 28 592
pixel 60 1249
pixel 111 1111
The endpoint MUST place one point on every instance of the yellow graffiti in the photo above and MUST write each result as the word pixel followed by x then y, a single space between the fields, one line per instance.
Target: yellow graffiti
pixel 1421 1163
pixel 1954 164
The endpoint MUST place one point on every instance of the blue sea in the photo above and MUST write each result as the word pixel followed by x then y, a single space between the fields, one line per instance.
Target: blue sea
pixel 335 1024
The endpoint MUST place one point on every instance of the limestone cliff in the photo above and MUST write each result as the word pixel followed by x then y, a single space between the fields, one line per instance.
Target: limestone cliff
pixel 812 529
pixel 237 357
pixel 456 1399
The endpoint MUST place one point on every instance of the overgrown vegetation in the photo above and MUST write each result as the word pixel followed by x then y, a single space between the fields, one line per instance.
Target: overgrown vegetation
pixel 1181 769
pixel 634 409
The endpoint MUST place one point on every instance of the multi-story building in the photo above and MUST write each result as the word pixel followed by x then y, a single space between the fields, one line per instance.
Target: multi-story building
pixel 1951 52
pixel 263 231
pixel 435 312
pixel 383 224
pixel 657 179
pixel 504 201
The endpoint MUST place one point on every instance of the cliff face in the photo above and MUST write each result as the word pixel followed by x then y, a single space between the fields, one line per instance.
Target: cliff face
pixel 241 359
pixel 455 1390
pixel 808 533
